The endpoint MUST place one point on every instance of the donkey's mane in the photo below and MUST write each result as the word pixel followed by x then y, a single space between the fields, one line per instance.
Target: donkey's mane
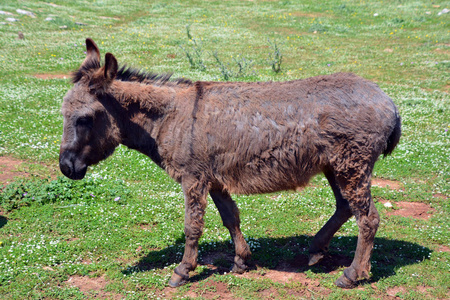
pixel 126 73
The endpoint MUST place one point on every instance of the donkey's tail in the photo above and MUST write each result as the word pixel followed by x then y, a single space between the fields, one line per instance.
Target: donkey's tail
pixel 395 135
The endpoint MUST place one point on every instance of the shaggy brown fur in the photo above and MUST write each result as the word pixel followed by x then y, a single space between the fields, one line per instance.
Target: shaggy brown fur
pixel 236 137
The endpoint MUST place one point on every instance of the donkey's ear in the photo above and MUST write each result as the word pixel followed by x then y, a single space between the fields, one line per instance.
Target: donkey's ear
pixel 110 67
pixel 102 78
pixel 92 53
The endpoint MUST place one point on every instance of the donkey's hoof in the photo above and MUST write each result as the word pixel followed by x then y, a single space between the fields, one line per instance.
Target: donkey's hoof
pixel 344 282
pixel 314 258
pixel 176 280
pixel 239 269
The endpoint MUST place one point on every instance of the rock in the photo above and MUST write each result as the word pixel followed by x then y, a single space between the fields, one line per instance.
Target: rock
pixel 25 12
pixel 12 20
pixel 49 19
pixel 388 204
pixel 5 13
pixel 20 36
pixel 80 24
pixel 444 11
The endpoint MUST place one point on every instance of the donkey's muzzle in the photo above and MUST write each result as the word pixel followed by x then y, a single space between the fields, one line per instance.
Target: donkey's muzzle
pixel 71 166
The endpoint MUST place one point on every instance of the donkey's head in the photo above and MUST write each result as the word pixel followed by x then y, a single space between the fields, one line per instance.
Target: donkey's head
pixel 90 130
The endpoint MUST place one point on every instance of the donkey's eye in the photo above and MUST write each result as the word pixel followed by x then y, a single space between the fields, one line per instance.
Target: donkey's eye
pixel 85 122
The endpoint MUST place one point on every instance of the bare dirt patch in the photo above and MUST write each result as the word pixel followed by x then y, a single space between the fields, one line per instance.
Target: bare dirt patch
pixel 393 292
pixel 72 239
pixel 208 290
pixel 440 196
pixel 416 210
pixel 385 183
pixel 109 18
pixel 8 169
pixel 308 14
pixel 52 76
pixel 444 248
pixel 211 289
pixel 282 277
pixel 92 286
pixel 147 227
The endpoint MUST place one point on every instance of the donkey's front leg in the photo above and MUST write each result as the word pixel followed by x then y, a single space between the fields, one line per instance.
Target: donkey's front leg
pixel 195 193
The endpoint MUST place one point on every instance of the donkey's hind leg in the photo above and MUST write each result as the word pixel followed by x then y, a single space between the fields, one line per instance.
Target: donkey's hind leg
pixel 321 241
pixel 229 213
pixel 355 187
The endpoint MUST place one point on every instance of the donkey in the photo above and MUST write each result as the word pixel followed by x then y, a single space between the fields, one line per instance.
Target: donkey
pixel 227 138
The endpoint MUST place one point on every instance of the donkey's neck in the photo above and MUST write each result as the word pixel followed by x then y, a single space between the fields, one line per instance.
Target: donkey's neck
pixel 141 114
pixel 148 97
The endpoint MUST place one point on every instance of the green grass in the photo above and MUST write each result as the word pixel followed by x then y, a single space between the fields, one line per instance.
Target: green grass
pixel 52 228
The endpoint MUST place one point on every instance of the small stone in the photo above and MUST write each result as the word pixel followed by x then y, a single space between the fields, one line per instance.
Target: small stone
pixel 444 11
pixel 388 204
pixel 49 19
pixel 25 12
pixel 2 12
pixel 12 20
pixel 375 14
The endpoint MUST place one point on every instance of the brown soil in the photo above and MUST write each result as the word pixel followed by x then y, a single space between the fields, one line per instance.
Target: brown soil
pixel 92 286
pixel 307 14
pixel 392 292
pixel 72 239
pixel 385 183
pixel 440 196
pixel 443 248
pixel 282 277
pixel 416 210
pixel 52 76
pixel 8 169
pixel 208 290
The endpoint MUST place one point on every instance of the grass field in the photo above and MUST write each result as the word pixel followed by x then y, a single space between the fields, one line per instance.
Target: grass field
pixel 118 234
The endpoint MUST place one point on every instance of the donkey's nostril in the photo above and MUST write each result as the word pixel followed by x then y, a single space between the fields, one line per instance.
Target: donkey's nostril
pixel 65 164
pixel 72 167
pixel 65 167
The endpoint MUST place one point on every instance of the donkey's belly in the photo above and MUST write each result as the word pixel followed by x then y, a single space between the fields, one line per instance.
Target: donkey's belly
pixel 261 178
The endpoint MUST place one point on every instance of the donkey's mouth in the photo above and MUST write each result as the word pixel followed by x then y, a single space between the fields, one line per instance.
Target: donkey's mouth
pixel 72 169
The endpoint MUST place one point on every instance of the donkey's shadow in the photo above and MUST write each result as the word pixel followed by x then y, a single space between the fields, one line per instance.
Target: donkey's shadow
pixel 289 254
pixel 3 221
